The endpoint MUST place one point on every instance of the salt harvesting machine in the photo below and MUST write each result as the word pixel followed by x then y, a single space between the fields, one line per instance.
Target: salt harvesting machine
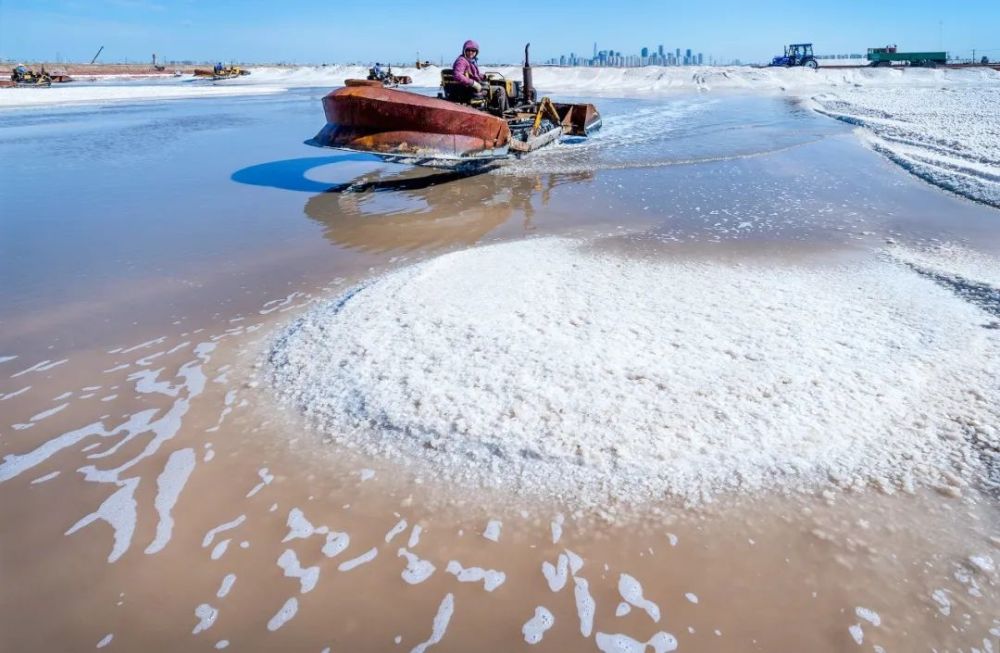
pixel 453 130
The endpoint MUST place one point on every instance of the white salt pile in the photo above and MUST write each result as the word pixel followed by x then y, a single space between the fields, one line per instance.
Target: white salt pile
pixel 945 135
pixel 544 366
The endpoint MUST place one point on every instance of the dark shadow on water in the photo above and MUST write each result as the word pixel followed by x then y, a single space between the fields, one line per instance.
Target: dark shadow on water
pixel 290 174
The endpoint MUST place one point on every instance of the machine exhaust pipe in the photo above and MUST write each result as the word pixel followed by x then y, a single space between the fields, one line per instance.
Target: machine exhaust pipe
pixel 527 86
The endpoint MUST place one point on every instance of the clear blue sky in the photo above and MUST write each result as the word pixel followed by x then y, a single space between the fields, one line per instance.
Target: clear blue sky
pixel 314 31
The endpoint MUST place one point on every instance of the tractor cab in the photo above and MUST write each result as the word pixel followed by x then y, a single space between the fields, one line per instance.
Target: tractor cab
pixel 797 54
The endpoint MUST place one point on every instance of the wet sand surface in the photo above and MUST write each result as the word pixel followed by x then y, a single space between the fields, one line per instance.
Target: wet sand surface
pixel 151 485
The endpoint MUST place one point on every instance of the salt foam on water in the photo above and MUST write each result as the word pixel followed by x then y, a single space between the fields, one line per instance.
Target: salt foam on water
pixel 550 367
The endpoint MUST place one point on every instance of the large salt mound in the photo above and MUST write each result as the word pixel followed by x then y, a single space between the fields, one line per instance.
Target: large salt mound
pixel 545 366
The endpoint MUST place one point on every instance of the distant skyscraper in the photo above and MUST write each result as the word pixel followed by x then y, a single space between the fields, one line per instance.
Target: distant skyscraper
pixel 677 54
pixel 660 51
pixel 645 52
pixel 700 59
pixel 595 49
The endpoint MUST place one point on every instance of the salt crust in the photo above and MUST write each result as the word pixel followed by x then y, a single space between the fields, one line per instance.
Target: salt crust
pixel 544 366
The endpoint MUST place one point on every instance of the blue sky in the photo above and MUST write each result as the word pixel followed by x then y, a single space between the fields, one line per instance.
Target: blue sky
pixel 314 31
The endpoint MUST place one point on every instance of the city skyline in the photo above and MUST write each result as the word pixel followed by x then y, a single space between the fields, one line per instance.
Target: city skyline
pixel 659 56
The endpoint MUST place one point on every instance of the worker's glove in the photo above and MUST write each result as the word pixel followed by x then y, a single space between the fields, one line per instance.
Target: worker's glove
pixel 477 87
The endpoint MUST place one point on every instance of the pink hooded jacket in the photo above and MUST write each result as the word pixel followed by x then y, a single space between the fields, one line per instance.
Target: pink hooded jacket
pixel 466 70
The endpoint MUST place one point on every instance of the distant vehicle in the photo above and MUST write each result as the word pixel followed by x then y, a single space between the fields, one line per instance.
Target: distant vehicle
pixel 221 72
pixel 20 75
pixel 883 57
pixel 797 54
pixel 377 74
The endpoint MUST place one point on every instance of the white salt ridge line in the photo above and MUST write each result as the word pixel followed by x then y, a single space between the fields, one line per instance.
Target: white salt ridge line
pixel 631 590
pixel 557 528
pixel 693 598
pixel 47 477
pixel 229 525
pixel 284 614
pixel 417 569
pixel 490 578
pixel 307 576
pixel 147 360
pixel 265 480
pixel 335 543
pixel 119 511
pixel 117 368
pixel 534 628
pixel 206 618
pixel 141 345
pixel 585 606
pixel 857 634
pixel 220 549
pixel 395 530
pixel 64 395
pixel 492 531
pixel 226 586
pixel 278 304
pixel 414 536
pixel 868 615
pixel 22 427
pixel 43 366
pixel 367 556
pixel 105 640
pixel 221 644
pixel 11 395
pixel 661 642
pixel 441 620
pixel 169 485
pixel 4 359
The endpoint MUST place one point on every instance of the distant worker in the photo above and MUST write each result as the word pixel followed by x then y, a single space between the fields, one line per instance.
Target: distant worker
pixel 377 70
pixel 218 68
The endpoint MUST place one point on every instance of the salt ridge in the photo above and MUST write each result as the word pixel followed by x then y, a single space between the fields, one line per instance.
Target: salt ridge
pixel 696 380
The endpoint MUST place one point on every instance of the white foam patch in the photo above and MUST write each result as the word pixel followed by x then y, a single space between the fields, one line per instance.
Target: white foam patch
pixel 206 617
pixel 631 590
pixel 226 586
pixel 661 642
pixel 221 528
pixel 549 367
pixel 169 484
pixel 220 549
pixel 490 578
pixel 414 536
pixel 395 530
pixel 48 413
pixel 585 605
pixel 265 479
pixel 335 543
pixel 868 615
pixel 105 640
pixel 307 576
pixel 121 93
pixel 417 569
pixel 365 557
pixel 492 531
pixel 284 614
pixel 534 628
pixel 440 626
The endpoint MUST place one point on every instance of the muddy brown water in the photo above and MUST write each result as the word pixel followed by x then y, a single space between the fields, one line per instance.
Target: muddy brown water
pixel 132 426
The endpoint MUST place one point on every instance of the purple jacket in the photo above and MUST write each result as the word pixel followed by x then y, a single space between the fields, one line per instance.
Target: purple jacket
pixel 466 71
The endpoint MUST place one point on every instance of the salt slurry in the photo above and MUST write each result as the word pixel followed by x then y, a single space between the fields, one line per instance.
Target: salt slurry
pixel 552 367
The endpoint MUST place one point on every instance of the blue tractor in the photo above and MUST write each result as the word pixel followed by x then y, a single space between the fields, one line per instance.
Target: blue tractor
pixel 797 54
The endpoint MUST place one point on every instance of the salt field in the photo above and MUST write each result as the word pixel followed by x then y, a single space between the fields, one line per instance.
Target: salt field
pixel 722 377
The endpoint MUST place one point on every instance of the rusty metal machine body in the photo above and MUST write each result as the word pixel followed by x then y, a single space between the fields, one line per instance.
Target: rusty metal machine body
pixel 411 128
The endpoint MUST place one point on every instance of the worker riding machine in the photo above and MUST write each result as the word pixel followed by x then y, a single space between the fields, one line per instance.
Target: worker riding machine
pixel 386 77
pixel 457 129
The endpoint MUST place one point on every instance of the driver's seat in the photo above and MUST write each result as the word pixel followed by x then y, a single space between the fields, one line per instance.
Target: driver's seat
pixel 455 92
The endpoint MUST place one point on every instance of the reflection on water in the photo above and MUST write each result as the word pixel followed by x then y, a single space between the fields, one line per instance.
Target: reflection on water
pixel 414 210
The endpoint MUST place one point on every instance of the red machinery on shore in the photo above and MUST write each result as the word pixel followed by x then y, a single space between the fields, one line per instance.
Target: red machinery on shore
pixel 451 130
